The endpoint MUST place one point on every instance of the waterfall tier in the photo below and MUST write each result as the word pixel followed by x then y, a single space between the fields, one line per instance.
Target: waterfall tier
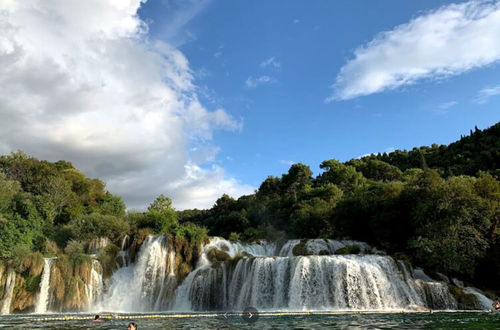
pixel 351 282
pixel 146 285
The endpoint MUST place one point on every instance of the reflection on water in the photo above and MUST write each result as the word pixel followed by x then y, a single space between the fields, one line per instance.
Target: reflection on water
pixel 459 320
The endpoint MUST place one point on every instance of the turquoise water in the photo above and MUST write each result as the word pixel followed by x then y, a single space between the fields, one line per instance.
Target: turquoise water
pixel 457 320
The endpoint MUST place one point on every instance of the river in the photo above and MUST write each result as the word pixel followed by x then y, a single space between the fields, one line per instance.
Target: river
pixel 437 320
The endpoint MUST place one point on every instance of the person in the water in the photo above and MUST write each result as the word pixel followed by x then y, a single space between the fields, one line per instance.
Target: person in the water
pixel 97 318
pixel 496 305
pixel 132 326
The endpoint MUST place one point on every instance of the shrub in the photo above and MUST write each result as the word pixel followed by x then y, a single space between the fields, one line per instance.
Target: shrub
pixel 349 249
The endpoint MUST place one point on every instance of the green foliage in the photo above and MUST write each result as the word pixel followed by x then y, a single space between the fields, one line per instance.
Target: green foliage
pixel 377 170
pixel 464 300
pixel 74 248
pixel 216 256
pixel 349 249
pixel 344 176
pixel 234 237
pixel 112 205
pixel 32 283
pixel 195 234
pixel 107 258
pixel 480 151
pixel 89 226
pixel 301 249
pixel 161 204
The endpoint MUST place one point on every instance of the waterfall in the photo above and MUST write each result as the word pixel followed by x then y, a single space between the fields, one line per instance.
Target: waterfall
pixel 8 292
pixel 43 299
pixel 315 282
pixel 95 285
pixel 123 253
pixel 483 301
pixel 145 285
pixel 268 276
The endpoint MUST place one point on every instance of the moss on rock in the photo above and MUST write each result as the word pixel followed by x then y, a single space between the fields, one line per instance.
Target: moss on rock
pixel 216 256
pixel 301 249
pixel 464 300
pixel 348 249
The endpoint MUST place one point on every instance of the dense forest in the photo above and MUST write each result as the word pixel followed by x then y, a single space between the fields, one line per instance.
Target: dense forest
pixel 437 207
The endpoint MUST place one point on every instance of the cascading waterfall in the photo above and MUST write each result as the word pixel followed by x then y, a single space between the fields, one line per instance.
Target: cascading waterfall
pixel 484 302
pixel 8 292
pixel 145 285
pixel 316 282
pixel 268 276
pixel 95 286
pixel 43 299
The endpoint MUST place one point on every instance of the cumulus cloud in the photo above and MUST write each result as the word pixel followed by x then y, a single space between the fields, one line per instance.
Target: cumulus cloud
pixel 81 81
pixel 448 41
pixel 485 94
pixel 252 82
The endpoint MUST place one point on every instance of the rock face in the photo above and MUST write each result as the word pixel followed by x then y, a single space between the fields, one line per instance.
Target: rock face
pixel 163 272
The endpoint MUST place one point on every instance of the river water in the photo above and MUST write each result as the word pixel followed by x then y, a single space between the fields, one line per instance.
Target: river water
pixel 438 320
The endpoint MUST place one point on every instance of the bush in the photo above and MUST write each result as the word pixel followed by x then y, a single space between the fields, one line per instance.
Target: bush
pixel 349 249
pixel 234 237
pixel 96 225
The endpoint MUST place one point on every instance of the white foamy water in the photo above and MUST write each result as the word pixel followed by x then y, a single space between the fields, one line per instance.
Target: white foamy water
pixel 42 302
pixel 145 284
pixel 8 292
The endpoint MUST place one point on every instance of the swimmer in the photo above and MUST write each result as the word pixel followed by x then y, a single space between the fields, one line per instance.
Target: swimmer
pixel 132 326
pixel 496 305
pixel 97 318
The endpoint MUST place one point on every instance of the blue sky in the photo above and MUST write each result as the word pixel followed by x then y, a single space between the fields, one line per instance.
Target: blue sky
pixel 306 43
pixel 197 98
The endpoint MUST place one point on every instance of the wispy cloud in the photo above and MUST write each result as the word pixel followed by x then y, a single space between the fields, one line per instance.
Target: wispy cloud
pixel 447 105
pixel 485 94
pixel 270 62
pixel 287 162
pixel 175 20
pixel 252 82
pixel 448 41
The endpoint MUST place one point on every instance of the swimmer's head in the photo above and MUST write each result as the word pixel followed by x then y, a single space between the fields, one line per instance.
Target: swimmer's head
pixel 96 317
pixel 132 326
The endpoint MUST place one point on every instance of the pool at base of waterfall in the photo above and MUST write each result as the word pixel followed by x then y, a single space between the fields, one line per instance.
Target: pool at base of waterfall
pixel 437 320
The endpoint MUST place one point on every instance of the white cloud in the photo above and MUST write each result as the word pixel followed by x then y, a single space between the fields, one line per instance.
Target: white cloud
pixel 448 41
pixel 485 94
pixel 447 105
pixel 81 80
pixel 272 61
pixel 287 162
pixel 386 150
pixel 252 82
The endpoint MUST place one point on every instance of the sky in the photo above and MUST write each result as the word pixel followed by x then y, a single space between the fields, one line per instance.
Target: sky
pixel 197 98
